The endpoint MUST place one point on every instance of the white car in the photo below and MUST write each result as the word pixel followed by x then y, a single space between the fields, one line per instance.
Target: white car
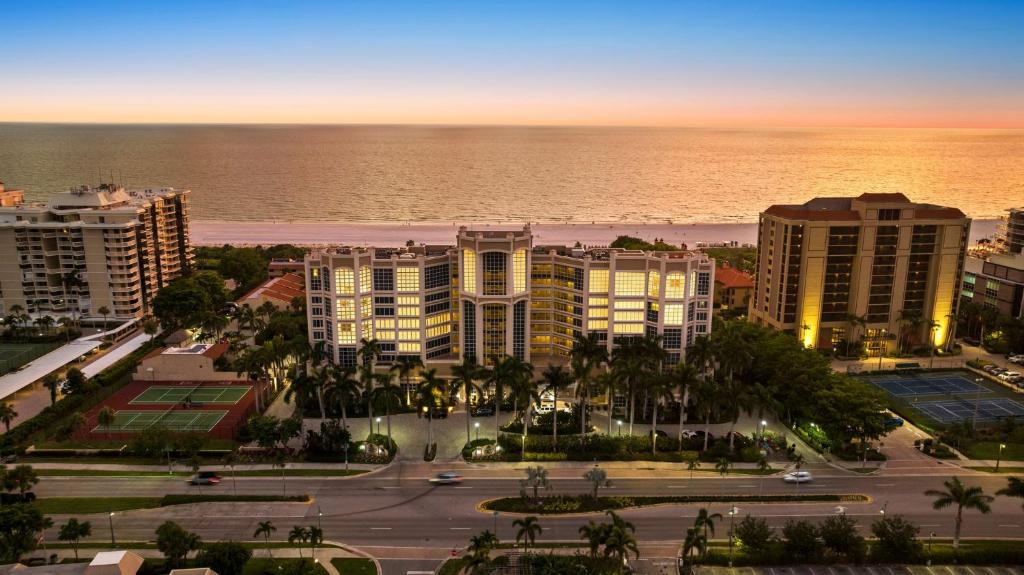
pixel 798 477
pixel 447 478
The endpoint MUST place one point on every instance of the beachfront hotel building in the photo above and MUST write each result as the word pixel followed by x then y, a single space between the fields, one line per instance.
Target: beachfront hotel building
pixel 123 244
pixel 495 293
pixel 892 263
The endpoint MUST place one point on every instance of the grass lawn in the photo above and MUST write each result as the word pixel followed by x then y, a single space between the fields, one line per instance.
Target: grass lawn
pixel 106 473
pixel 76 505
pixel 225 474
pixel 146 545
pixel 452 566
pixel 354 566
pixel 266 565
pixel 577 504
pixel 990 450
pixel 1002 469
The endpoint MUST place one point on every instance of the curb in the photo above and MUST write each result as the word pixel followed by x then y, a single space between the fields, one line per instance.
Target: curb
pixel 480 506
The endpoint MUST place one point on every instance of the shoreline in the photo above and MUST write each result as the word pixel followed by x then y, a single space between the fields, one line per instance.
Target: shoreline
pixel 326 233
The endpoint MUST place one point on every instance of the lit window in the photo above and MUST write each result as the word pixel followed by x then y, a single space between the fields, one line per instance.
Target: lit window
pixel 409 323
pixel 365 305
pixel 386 334
pixel 629 328
pixel 693 283
pixel 346 333
pixel 409 300
pixel 599 281
pixel 519 271
pixel 365 279
pixel 597 324
pixel 597 312
pixel 629 304
pixel 346 308
pixel 366 331
pixel 629 316
pixel 408 279
pixel 468 271
pixel 674 314
pixel 409 347
pixel 408 335
pixel 409 311
pixel 653 283
pixel 629 283
pixel 675 285
pixel 439 318
pixel 385 323
pixel 598 301
pixel 439 330
pixel 344 281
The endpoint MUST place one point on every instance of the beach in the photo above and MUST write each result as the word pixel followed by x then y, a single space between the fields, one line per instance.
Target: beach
pixel 322 233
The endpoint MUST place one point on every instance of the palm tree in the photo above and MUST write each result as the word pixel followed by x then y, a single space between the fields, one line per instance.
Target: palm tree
pixel 706 521
pixel 963 497
pixel 528 531
pixel 910 320
pixel 106 418
pixel 230 459
pixel 405 366
pixel 72 279
pixel 588 353
pixel 708 397
pixel 1014 488
pixel 7 415
pixel 684 377
pixel 265 528
pixel 736 398
pixel 465 376
pixel 555 377
pixel 299 535
pixel 248 319
pixel 505 372
pixel 320 378
pixel 853 321
pixel 695 541
pixel 702 355
pixel 630 368
pixel 315 536
pixel 369 351
pixel 524 392
pixel 388 394
pixel 595 534
pixel 658 388
pixel 620 543
pixel 343 388
pixel 214 324
pixel 50 381
pixel 429 397
pixel 65 323
pixel 608 381
pixel 104 311
pixel 723 465
pixel 45 323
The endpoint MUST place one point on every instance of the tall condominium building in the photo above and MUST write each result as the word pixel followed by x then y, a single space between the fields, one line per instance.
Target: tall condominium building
pixel 876 257
pixel 494 293
pixel 120 245
pixel 1011 232
pixel 996 281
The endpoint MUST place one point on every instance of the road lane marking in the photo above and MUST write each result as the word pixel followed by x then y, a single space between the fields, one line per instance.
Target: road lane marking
pixel 885 485
pixel 462 487
pixel 459 528
pixel 678 486
pixel 1009 525
pixel 929 525
pixel 419 573
pixel 380 529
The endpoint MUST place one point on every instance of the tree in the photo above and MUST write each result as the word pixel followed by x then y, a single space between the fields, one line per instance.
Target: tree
pixel 705 521
pixel 429 398
pixel 723 465
pixel 52 382
pixel 21 479
pixel 692 463
pixel 265 529
pixel 839 535
pixel 465 376
pixel 389 395
pixel 244 265
pixel 684 377
pixel 73 531
pixel 754 535
pixel 281 462
pixel 298 535
pixel 595 534
pixel 175 543
pixel 506 371
pixel 315 537
pixel 524 393
pixel 405 366
pixel 76 383
pixel 536 477
pixel 150 327
pixel 104 311
pixel 588 353
pixel 1014 488
pixel 20 526
pixel 695 541
pixel 598 478
pixel 620 541
pixel 555 378
pixel 896 540
pixel 802 542
pixel 66 324
pixel 528 530
pixel 7 415
pixel 225 557
pixel 963 497
pixel 106 418
pixel 343 389
pixel 182 303
pixel 707 401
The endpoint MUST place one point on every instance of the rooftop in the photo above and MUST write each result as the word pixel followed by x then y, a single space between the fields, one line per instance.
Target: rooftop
pixel 852 209
pixel 732 278
pixel 283 289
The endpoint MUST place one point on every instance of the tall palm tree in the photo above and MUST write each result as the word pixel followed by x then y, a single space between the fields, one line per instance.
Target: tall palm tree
pixel 555 378
pixel 430 396
pixel 65 323
pixel 7 415
pixel 404 367
pixel 248 319
pixel 524 392
pixel 909 320
pixel 73 281
pixel 465 376
pixel 708 398
pixel 620 543
pixel 50 381
pixel 595 534
pixel 344 389
pixel 588 353
pixel 705 521
pixel 684 377
pixel 736 397
pixel 695 541
pixel 1014 488
pixel 369 351
pixel 528 531
pixel 299 535
pixel 265 528
pixel 321 379
pixel 702 355
pixel 658 388
pixel 368 381
pixel 45 323
pixel 963 497
pixel 104 311
pixel 505 371
pixel 629 365
pixel 389 395
pixel 608 381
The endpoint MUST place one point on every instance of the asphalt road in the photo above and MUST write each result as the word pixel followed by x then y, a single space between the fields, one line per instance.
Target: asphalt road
pixel 398 510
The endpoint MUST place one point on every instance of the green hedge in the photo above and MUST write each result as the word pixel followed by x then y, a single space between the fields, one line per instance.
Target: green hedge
pixel 185 499
pixel 592 447
pixel 586 504
pixel 970 553
pixel 109 381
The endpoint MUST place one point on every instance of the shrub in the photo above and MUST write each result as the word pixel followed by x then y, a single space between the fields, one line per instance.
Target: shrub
pixel 802 542
pixel 226 558
pixel 755 536
pixel 897 540
pixel 839 535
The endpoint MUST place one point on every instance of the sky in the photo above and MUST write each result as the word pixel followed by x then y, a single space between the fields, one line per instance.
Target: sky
pixel 680 63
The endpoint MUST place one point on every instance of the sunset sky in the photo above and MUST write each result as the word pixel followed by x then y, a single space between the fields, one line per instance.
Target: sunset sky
pixel 702 63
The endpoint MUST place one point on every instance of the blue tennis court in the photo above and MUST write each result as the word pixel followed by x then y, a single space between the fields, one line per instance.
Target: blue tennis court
pixel 907 386
pixel 953 411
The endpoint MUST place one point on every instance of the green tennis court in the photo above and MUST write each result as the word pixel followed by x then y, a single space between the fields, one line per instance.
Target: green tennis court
pixel 15 355
pixel 204 394
pixel 132 421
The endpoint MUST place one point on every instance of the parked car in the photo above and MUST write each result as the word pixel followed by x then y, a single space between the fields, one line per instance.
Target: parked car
pixel 1008 375
pixel 482 411
pixel 798 477
pixel 689 434
pixel 893 421
pixel 205 478
pixel 446 478
pixel 544 408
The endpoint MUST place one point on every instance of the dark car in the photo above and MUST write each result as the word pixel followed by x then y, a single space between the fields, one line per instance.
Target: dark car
pixel 205 478
pixel 483 411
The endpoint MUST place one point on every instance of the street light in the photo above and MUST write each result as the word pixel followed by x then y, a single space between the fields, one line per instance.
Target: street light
pixel 378 426
pixel 477 426
pixel 732 529
pixel 840 510
pixel 345 448
pixel 620 427
pixel 999 456
pixel 319 516
pixel 110 518
pixel 764 428
pixel 496 525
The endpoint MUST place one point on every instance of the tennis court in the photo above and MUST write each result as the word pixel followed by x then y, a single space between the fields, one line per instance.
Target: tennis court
pixel 15 355
pixel 953 411
pixel 937 384
pixel 203 394
pixel 133 421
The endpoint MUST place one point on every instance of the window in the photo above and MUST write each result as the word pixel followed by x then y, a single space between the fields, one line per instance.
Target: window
pixel 629 304
pixel 364 279
pixel 344 281
pixel 408 311
pixel 597 312
pixel 673 339
pixel 388 334
pixel 384 300
pixel 346 333
pixel 628 316
pixel 409 347
pixel 365 305
pixel 318 311
pixel 675 285
pixel 629 283
pixel 674 314
pixel 347 356
pixel 409 300
pixel 494 273
pixel 385 323
pixel 409 323
pixel 408 335
pixel 318 323
pixel 653 283
pixel 439 318
pixel 519 271
pixel 597 324
pixel 469 329
pixel 366 331
pixel 438 331
pixel 703 283
pixel 652 311
pixel 384 311
pixel 598 301
pixel 629 328
pixel 599 281
pixel 408 279
pixel 314 280
pixel 384 279
pixel 468 272
pixel 346 308
pixel 441 295
pixel 438 307
pixel 519 330
pixel 436 276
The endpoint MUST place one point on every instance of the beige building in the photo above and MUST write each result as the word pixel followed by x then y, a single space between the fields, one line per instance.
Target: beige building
pixel 494 293
pixel 123 245
pixel 878 257
pixel 195 362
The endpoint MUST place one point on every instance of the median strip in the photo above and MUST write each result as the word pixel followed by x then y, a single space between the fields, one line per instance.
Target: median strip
pixel 584 504
pixel 84 505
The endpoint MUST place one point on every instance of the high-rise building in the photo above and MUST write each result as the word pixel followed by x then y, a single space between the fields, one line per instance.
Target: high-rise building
pixel 89 248
pixel 495 293
pixel 874 267
pixel 1010 239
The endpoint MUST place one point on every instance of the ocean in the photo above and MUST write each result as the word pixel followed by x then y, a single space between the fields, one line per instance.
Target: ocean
pixel 438 174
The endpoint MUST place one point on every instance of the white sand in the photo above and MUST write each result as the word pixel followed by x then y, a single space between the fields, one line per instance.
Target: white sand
pixel 215 233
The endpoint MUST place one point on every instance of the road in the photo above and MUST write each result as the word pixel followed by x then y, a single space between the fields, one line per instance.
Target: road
pixel 398 509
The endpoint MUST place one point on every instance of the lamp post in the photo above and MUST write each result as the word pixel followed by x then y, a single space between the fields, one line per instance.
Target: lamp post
pixel 764 428
pixel 345 448
pixel 477 426
pixel 999 455
pixel 881 347
pixel 378 426
pixel 931 535
pixel 732 529
pixel 319 517
pixel 496 524
pixel 110 518
pixel 840 510
pixel 619 422
pixel 977 402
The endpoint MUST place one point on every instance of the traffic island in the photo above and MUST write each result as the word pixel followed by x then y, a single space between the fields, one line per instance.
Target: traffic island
pixel 572 504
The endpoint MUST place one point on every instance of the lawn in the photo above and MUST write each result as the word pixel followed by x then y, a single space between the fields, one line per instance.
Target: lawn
pixel 1002 469
pixel 226 475
pixel 265 565
pixel 990 450
pixel 560 504
pixel 354 566
pixel 84 505
pixel 452 566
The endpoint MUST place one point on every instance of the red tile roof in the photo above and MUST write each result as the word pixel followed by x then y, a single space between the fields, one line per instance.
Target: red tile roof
pixel 282 288
pixel 890 198
pixel 731 278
